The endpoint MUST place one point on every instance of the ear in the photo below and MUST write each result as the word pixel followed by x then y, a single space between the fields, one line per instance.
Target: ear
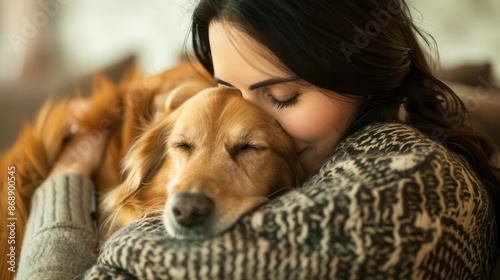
pixel 147 154
pixel 166 103
pixel 140 165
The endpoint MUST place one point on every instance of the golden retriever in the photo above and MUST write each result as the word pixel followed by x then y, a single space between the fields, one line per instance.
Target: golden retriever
pixel 203 166
pixel 199 159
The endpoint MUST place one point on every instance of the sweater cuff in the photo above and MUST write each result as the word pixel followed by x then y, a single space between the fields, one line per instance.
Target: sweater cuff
pixel 63 198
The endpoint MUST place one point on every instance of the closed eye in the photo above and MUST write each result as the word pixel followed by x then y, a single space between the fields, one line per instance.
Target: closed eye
pixel 286 103
pixel 241 148
pixel 187 147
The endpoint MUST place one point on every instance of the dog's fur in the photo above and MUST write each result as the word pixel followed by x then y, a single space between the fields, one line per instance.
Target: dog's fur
pixel 217 145
pixel 161 154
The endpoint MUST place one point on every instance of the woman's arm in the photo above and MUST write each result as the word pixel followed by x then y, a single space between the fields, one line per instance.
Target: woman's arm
pixel 60 241
pixel 405 216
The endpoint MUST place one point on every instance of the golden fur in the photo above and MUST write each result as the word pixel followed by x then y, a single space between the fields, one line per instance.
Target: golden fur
pixel 159 146
pixel 216 144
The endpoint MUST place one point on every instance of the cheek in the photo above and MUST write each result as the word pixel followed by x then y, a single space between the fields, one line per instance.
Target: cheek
pixel 177 160
pixel 315 123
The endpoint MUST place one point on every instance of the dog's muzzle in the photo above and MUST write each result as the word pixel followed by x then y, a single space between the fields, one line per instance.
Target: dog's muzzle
pixel 191 209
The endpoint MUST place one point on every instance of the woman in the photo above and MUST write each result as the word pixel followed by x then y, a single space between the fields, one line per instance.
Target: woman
pixel 399 186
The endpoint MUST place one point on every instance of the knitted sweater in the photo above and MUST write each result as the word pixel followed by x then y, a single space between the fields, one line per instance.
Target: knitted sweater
pixel 389 203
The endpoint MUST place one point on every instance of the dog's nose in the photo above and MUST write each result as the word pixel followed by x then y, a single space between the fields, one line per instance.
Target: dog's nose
pixel 191 209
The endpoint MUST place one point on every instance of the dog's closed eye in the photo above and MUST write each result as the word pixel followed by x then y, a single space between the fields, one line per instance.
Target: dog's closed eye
pixel 241 148
pixel 185 146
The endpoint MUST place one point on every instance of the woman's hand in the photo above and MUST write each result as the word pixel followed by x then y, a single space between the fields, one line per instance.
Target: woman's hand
pixel 82 154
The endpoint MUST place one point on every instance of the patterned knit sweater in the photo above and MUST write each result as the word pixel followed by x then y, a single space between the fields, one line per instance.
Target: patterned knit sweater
pixel 389 203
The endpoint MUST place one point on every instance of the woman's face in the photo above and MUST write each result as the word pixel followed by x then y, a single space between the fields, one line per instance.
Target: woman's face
pixel 314 121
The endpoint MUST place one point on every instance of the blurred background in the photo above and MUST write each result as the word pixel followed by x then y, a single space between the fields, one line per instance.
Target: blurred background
pixel 47 47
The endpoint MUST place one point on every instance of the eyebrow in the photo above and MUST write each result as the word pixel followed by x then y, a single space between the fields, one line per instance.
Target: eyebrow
pixel 265 83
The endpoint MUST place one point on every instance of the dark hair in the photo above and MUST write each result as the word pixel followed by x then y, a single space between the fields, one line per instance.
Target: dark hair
pixel 358 48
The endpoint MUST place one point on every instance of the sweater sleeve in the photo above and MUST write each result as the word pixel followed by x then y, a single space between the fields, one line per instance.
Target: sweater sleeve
pixel 60 241
pixel 405 216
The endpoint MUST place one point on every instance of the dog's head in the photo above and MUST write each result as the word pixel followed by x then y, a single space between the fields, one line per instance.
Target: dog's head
pixel 206 164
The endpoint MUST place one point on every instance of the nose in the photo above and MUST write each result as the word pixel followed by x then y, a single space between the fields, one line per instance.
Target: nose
pixel 191 209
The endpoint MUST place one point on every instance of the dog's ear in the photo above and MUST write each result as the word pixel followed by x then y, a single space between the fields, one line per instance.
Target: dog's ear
pixel 140 165
pixel 165 103
pixel 147 154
